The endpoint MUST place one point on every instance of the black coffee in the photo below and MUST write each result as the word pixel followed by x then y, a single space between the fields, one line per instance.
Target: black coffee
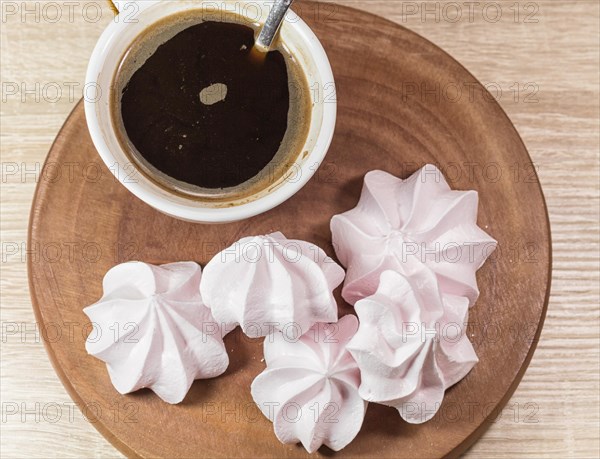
pixel 200 111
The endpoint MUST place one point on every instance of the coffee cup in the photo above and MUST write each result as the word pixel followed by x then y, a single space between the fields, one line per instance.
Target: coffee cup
pixel 137 17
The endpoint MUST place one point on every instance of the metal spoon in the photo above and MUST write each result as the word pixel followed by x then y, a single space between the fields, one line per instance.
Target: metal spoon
pixel 272 25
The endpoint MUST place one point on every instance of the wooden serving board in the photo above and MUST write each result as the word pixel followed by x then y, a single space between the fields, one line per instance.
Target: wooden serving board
pixel 399 108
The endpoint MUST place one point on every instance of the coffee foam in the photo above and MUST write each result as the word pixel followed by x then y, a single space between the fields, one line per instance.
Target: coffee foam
pixel 290 150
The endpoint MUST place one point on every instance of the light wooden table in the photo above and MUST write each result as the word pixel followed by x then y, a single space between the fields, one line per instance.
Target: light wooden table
pixel 540 58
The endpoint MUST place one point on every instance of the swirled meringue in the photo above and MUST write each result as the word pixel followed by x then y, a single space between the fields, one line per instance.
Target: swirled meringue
pixel 411 344
pixel 419 219
pixel 266 283
pixel 152 329
pixel 309 389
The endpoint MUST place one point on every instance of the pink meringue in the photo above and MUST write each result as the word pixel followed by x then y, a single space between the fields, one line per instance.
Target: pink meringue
pixel 309 389
pixel 411 344
pixel 266 283
pixel 152 329
pixel 398 222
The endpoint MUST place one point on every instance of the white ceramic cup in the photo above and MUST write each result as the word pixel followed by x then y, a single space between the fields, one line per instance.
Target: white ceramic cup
pixel 137 16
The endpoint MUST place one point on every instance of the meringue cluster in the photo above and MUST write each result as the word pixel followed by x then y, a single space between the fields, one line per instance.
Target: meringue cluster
pixel 169 321
pixel 411 249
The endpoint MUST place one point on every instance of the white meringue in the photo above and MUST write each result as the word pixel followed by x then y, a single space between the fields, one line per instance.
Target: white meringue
pixel 419 219
pixel 309 389
pixel 266 283
pixel 152 329
pixel 411 344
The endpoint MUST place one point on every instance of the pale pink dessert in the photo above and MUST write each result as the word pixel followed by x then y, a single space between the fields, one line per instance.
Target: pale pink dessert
pixel 152 329
pixel 267 283
pixel 411 344
pixel 309 389
pixel 399 224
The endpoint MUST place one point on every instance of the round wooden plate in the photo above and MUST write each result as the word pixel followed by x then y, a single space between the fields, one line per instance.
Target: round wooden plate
pixel 403 102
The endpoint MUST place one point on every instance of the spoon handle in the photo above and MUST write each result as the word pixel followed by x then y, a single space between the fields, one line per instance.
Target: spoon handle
pixel 272 24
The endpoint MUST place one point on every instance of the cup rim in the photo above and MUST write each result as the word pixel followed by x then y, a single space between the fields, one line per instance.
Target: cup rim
pixel 215 214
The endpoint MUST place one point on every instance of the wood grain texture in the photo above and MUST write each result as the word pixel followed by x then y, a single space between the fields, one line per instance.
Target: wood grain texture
pixel 380 125
pixel 555 409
